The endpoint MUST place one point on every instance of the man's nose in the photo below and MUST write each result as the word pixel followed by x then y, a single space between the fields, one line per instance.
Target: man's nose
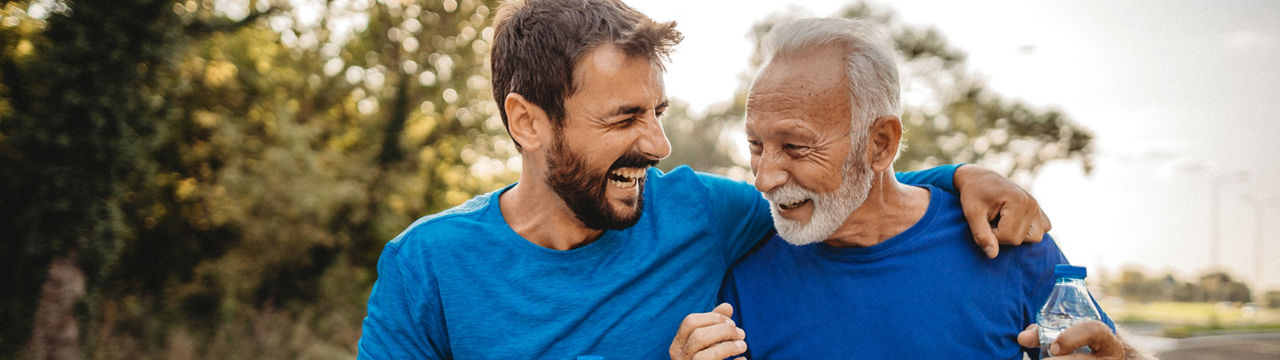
pixel 769 170
pixel 653 141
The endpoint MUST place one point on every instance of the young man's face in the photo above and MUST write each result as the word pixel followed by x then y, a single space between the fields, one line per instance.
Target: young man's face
pixel 611 135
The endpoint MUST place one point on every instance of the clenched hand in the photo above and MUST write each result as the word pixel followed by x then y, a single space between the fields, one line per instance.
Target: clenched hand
pixel 998 211
pixel 709 336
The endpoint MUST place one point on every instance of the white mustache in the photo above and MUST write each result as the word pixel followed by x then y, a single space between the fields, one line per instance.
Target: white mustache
pixel 789 193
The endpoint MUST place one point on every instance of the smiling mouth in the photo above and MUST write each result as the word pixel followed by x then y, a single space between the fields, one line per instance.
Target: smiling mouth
pixel 626 178
pixel 793 205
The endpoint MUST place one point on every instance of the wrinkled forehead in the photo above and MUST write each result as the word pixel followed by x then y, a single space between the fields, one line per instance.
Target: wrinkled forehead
pixel 809 89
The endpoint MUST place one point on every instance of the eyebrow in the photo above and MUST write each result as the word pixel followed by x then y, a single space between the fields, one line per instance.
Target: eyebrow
pixel 633 110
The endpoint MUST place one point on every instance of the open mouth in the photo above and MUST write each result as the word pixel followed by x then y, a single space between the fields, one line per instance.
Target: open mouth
pixel 793 205
pixel 626 178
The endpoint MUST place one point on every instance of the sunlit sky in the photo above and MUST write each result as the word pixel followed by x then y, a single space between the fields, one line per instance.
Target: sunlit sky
pixel 1179 94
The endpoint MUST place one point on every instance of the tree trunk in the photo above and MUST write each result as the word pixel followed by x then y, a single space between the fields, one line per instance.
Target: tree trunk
pixel 56 334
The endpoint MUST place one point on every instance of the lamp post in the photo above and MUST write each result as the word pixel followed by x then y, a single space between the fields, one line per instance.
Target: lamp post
pixel 1215 209
pixel 1260 207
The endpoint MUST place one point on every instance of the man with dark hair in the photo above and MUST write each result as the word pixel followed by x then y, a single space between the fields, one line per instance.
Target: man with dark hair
pixel 593 251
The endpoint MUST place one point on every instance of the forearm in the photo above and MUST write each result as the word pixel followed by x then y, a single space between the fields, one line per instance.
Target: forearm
pixel 939 176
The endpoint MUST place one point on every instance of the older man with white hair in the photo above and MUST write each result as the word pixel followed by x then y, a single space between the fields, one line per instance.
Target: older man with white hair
pixel 864 265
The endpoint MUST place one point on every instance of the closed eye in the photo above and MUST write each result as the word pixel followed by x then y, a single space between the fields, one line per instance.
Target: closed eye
pixel 795 150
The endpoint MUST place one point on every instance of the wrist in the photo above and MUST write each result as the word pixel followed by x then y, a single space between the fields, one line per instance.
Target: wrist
pixel 962 172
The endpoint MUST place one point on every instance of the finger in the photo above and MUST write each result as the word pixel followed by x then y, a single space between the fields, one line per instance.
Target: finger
pixel 724 309
pixel 1044 221
pixel 1012 228
pixel 982 235
pixel 693 322
pixel 1030 338
pixel 708 337
pixel 1092 334
pixel 1033 235
pixel 722 350
pixel 1036 224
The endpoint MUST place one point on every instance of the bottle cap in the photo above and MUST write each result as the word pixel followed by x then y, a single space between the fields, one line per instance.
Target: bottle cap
pixel 1068 271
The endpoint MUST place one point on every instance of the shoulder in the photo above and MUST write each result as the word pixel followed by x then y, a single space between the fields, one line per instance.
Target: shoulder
pixel 684 179
pixel 683 187
pixel 436 229
pixel 944 200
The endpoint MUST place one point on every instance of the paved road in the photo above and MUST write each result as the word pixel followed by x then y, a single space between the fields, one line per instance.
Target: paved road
pixel 1233 347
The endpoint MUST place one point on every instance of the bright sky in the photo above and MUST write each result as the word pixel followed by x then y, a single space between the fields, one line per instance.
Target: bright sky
pixel 1177 93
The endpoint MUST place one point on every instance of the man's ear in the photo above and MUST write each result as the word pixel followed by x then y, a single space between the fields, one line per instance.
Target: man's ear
pixel 526 121
pixel 884 137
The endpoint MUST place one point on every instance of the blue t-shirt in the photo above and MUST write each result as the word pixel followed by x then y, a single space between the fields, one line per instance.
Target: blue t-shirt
pixel 462 284
pixel 927 292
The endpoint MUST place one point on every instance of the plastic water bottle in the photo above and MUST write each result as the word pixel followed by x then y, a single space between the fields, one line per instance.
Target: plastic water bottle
pixel 1068 304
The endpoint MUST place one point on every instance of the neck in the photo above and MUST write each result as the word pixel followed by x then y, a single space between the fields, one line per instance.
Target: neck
pixel 890 209
pixel 534 211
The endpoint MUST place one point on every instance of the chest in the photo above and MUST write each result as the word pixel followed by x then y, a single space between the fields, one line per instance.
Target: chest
pixel 625 303
pixel 886 311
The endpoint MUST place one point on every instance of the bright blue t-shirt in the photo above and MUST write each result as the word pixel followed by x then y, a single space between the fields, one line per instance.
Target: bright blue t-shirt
pixel 927 292
pixel 462 284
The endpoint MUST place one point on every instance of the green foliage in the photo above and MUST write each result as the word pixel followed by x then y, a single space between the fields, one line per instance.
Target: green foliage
pixel 1271 299
pixel 295 149
pixel 1134 286
pixel 240 166
pixel 75 130
pixel 955 118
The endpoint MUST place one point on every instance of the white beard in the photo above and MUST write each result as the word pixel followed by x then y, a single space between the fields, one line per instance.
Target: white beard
pixel 830 210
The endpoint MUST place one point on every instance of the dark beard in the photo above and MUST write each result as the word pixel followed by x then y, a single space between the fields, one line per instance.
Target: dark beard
pixel 584 190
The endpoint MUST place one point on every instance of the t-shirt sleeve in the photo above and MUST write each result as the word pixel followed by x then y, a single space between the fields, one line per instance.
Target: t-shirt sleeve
pixel 740 215
pixel 404 319
pixel 941 177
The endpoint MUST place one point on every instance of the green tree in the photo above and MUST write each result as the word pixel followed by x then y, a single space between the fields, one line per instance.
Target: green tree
pixel 959 121
pixel 295 147
pixel 78 87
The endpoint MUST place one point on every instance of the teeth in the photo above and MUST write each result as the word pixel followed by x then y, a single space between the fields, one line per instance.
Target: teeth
pixel 630 173
pixel 793 205
pixel 623 184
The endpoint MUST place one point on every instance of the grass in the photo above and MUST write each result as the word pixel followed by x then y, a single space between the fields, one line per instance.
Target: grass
pixel 1180 320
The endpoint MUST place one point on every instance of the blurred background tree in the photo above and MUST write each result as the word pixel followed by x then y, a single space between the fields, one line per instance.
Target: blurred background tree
pixel 949 114
pixel 79 98
pixel 223 173
pixel 238 165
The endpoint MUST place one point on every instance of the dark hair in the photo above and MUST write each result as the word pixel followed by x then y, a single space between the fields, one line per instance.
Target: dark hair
pixel 538 42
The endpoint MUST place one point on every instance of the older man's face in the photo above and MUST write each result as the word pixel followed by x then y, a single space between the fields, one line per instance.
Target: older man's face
pixel 807 165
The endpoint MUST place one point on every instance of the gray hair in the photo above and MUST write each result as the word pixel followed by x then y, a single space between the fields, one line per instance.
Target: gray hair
pixel 869 58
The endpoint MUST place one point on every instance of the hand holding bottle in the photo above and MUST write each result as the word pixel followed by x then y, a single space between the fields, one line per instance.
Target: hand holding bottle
pixel 1092 334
